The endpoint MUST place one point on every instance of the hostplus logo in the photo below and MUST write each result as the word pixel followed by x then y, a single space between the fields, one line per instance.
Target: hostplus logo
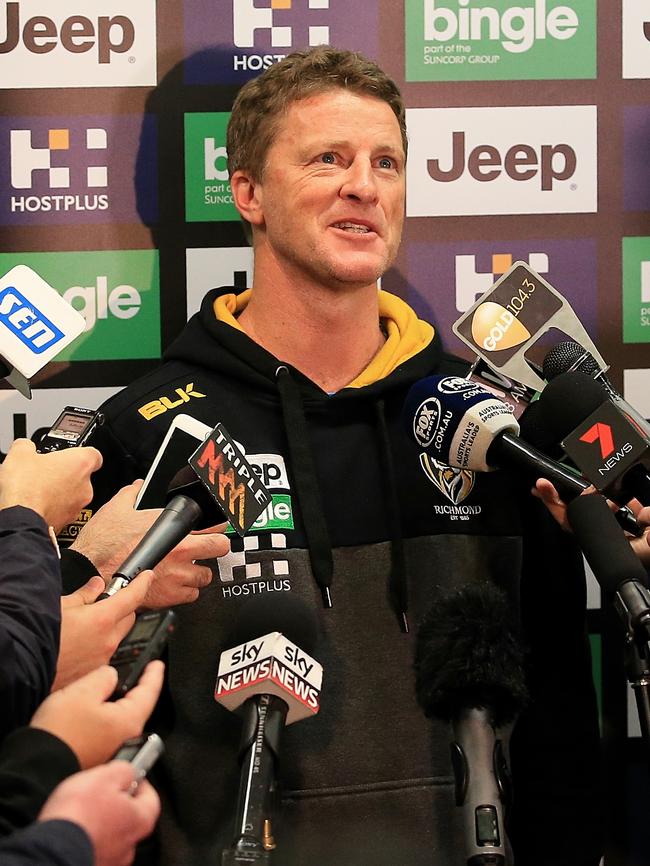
pixel 470 161
pixel 444 280
pixel 455 40
pixel 208 196
pixel 81 169
pixel 259 563
pixel 263 32
pixel 44 46
pixel 249 20
pixel 471 282
pixel 28 160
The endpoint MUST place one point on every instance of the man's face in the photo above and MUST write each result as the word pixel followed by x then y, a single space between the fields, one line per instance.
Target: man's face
pixel 332 192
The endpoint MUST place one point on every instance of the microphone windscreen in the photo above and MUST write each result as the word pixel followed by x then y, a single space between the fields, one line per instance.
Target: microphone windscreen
pixel 283 612
pixel 606 549
pixel 468 654
pixel 535 430
pixel 567 401
pixel 455 420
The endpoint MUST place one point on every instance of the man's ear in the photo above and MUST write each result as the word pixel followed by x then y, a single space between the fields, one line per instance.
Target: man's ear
pixel 246 194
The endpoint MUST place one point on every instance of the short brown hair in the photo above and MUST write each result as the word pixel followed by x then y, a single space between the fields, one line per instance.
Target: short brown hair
pixel 263 100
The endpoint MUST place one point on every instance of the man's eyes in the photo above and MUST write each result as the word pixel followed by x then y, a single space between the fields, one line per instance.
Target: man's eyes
pixel 331 158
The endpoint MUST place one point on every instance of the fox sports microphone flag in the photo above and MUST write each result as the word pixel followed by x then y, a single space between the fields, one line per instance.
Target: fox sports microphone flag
pixel 456 420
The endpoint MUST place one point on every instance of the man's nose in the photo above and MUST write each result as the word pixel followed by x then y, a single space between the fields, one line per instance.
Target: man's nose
pixel 360 182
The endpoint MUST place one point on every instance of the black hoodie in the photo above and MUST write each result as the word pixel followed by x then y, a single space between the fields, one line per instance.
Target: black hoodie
pixel 359 515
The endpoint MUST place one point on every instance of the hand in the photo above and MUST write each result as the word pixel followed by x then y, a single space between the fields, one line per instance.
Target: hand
pixel 545 491
pixel 55 485
pixel 112 533
pixel 641 545
pixel 90 633
pixel 92 726
pixel 99 801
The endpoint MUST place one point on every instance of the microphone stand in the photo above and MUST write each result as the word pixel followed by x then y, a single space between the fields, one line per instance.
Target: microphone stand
pixel 632 603
pixel 264 720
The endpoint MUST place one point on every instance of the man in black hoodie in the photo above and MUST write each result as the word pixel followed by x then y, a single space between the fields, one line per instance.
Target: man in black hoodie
pixel 308 369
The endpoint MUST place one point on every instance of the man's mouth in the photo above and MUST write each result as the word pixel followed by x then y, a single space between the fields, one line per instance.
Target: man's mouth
pixel 356 228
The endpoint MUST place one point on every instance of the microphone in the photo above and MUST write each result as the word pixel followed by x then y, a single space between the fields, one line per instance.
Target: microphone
pixel 275 681
pixel 569 356
pixel 35 325
pixel 618 571
pixel 609 447
pixel 171 526
pixel 469 671
pixel 218 482
pixel 466 426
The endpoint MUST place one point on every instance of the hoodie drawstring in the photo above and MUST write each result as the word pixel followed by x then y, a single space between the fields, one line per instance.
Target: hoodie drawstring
pixel 308 493
pixel 397 583
pixel 309 498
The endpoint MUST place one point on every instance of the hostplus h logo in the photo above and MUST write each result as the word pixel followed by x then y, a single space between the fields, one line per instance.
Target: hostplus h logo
pixel 250 22
pixel 233 40
pixel 27 160
pixel 248 19
pixel 470 282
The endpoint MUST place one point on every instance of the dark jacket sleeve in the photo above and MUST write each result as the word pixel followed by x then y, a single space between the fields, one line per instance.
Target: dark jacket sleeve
pixel 30 615
pixel 51 843
pixel 32 763
pixel 558 815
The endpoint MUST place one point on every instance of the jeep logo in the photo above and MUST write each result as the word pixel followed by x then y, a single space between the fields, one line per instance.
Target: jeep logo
pixel 76 34
pixel 521 162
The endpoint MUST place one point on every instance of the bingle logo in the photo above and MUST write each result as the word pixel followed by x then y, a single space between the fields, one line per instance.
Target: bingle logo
pixel 465 161
pixel 65 48
pixel 517 28
pixel 249 20
pixel 26 160
pixel 470 282
pixel 213 156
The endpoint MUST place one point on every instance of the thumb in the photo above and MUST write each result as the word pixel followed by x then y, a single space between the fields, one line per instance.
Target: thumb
pixel 132 596
pixel 130 491
pixel 119 773
pixel 98 684
pixel 86 594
